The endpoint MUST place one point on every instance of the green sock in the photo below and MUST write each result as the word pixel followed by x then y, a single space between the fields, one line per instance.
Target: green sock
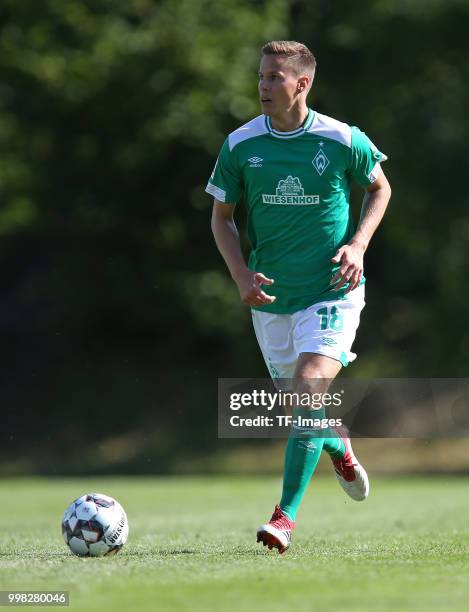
pixel 334 445
pixel 301 457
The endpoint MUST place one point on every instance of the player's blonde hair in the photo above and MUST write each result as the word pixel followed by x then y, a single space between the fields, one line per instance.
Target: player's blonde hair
pixel 300 58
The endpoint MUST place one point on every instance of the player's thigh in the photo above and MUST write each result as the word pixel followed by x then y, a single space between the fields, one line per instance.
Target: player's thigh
pixel 329 328
pixel 274 336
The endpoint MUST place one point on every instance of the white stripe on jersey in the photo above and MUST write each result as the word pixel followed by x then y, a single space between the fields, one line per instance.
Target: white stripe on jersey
pixel 375 171
pixel 327 127
pixel 216 192
pixel 255 127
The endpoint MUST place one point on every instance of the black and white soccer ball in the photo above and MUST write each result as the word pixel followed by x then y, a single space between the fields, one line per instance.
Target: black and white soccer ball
pixel 95 525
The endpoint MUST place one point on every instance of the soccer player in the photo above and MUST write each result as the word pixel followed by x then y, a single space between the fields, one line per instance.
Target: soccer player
pixel 304 279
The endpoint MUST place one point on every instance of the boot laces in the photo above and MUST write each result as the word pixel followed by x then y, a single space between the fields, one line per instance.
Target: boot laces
pixel 280 520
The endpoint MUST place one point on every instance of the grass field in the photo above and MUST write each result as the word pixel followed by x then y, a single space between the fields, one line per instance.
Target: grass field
pixel 192 546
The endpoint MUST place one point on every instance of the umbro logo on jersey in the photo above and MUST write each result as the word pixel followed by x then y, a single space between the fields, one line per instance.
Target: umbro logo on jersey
pixel 255 162
pixel 320 162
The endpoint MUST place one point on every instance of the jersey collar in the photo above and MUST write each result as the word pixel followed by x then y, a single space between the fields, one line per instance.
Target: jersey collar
pixel 301 130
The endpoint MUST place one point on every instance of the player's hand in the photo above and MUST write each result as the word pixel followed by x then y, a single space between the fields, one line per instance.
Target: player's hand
pixel 249 285
pixel 350 257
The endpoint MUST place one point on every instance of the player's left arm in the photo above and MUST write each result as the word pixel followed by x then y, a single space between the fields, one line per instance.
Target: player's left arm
pixel 350 255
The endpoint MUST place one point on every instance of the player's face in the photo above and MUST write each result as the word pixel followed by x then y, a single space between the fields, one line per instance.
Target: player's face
pixel 278 85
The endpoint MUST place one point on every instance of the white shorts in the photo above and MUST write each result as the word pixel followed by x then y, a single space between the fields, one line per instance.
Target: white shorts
pixel 326 328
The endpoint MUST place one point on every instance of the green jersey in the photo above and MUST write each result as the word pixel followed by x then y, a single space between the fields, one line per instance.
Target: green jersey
pixel 296 187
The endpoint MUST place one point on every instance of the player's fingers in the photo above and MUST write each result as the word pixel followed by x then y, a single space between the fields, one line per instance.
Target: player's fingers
pixel 336 277
pixel 263 298
pixel 267 299
pixel 359 278
pixel 254 303
pixel 337 257
pixel 252 297
pixel 345 278
pixel 340 273
pixel 262 279
pixel 354 281
pixel 257 298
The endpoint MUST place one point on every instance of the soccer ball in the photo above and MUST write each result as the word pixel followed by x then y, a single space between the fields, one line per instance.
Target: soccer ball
pixel 95 525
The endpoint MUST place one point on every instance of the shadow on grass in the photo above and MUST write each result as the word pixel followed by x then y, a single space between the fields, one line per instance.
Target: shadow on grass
pixel 229 552
pixel 134 554
pixel 39 554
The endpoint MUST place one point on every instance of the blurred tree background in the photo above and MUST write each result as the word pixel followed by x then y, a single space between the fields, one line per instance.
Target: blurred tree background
pixel 116 312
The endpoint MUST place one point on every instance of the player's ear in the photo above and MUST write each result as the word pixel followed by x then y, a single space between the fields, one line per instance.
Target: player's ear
pixel 303 84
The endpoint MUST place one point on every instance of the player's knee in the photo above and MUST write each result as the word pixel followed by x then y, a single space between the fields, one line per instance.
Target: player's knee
pixel 311 382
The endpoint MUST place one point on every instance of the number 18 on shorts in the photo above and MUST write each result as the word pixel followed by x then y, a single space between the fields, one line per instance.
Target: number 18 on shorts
pixel 326 328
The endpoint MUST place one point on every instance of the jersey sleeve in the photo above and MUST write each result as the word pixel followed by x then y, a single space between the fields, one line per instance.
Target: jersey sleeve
pixel 225 183
pixel 365 159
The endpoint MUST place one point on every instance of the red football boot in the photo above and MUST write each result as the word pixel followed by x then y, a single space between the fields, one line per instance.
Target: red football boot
pixel 351 475
pixel 277 532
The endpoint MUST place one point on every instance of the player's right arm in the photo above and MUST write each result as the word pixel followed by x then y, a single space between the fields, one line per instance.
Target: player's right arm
pixel 226 237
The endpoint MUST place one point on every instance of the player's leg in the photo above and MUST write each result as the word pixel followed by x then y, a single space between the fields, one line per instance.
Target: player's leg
pixel 274 335
pixel 310 367
pixel 312 375
pixel 275 339
pixel 350 474
pixel 329 329
pixel 302 452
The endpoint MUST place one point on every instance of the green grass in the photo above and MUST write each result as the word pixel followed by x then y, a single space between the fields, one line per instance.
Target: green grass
pixel 192 546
